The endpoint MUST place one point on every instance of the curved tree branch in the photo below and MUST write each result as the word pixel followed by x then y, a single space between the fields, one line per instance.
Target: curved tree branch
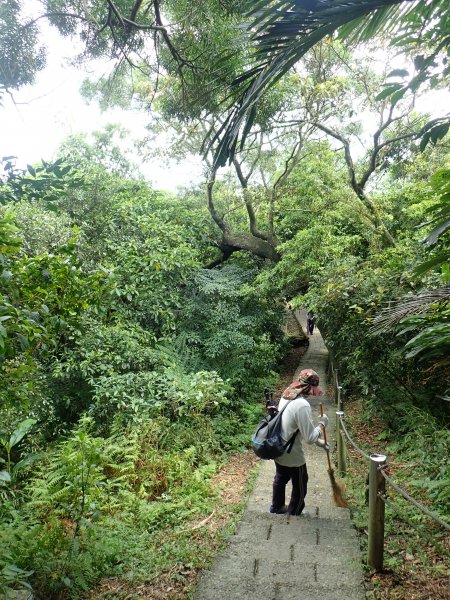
pixel 135 9
pixel 358 186
pixel 248 202
pixel 348 157
pixel 235 241
pixel 218 220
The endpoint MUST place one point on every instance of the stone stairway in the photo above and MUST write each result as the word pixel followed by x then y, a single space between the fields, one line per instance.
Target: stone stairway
pixel 276 557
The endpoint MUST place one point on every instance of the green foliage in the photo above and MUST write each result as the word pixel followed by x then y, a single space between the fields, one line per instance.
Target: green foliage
pixel 74 478
pixel 281 37
pixel 98 506
pixel 47 182
pixel 335 265
pixel 153 260
pixel 311 246
pixel 42 231
pixel 13 580
pixel 206 37
pixel 133 397
pixel 42 297
pixel 434 334
pixel 422 319
pixel 440 219
pixel 10 473
pixel 22 57
pixel 142 368
pixel 9 241
pixel 415 450
pixel 101 151
pixel 119 371
pixel 351 296
pixel 424 443
pixel 233 331
pixel 17 324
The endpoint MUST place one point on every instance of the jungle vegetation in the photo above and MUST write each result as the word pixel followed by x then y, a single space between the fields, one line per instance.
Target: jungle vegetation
pixel 139 328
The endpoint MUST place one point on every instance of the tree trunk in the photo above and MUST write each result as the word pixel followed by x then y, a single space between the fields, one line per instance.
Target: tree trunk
pixel 232 242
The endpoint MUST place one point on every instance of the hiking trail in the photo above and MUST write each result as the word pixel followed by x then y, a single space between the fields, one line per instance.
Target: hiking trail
pixel 276 557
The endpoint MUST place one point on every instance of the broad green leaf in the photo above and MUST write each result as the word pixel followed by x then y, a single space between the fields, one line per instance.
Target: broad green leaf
pixel 438 132
pixel 28 460
pixel 430 264
pixel 20 432
pixel 424 141
pixel 398 73
pixel 5 476
pixel 388 91
pixel 436 233
pixel 398 95
pixel 23 340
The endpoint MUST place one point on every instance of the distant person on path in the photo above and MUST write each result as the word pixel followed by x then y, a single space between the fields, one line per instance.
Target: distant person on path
pixel 310 322
pixel 292 466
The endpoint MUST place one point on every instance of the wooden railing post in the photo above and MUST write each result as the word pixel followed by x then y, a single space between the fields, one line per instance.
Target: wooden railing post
pixel 377 487
pixel 342 467
pixel 340 403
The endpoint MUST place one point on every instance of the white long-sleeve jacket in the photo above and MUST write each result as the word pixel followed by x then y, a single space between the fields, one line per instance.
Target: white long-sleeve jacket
pixel 297 416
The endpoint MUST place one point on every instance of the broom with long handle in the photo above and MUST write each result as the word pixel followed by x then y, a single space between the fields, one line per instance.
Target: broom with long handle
pixel 338 489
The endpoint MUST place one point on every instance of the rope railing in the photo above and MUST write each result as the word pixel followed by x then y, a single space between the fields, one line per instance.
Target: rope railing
pixel 410 499
pixel 347 435
pixel 377 485
pixel 396 487
pixel 413 525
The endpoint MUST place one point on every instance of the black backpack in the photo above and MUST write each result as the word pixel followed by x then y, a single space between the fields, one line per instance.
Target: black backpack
pixel 267 442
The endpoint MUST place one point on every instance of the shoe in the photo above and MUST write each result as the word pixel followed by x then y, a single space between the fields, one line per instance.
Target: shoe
pixel 278 511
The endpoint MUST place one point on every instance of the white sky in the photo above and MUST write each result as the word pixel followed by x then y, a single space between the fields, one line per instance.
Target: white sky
pixel 43 115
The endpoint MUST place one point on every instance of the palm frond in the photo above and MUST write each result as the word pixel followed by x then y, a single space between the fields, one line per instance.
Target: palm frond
pixel 409 306
pixel 282 32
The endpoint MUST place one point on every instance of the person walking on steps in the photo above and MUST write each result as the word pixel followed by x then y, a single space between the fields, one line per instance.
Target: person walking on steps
pixel 310 322
pixel 291 466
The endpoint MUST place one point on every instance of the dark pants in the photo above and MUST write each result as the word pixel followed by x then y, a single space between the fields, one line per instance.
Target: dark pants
pixel 299 478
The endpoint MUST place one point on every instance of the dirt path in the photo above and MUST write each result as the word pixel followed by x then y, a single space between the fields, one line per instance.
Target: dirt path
pixel 275 557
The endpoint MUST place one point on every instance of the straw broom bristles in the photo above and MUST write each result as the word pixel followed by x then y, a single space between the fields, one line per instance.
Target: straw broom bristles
pixel 338 491
pixel 338 488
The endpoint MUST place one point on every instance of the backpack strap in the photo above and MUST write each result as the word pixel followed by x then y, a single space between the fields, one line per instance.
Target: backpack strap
pixel 290 443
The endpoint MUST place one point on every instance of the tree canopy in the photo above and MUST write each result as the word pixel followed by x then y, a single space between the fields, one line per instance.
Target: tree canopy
pixel 282 34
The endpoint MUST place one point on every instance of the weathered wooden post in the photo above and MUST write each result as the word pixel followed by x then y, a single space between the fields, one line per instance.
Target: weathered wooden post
pixel 377 487
pixel 342 467
pixel 340 401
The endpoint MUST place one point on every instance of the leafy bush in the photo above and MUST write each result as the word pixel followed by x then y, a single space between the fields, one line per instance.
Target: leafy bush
pixel 95 502
pixel 133 397
pixel 41 230
pixel 232 330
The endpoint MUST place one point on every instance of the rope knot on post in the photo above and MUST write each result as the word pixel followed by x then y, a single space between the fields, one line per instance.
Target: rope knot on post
pixel 384 468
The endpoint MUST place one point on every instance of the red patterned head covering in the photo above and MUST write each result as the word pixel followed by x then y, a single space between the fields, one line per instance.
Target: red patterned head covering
pixel 310 378
pixel 306 385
